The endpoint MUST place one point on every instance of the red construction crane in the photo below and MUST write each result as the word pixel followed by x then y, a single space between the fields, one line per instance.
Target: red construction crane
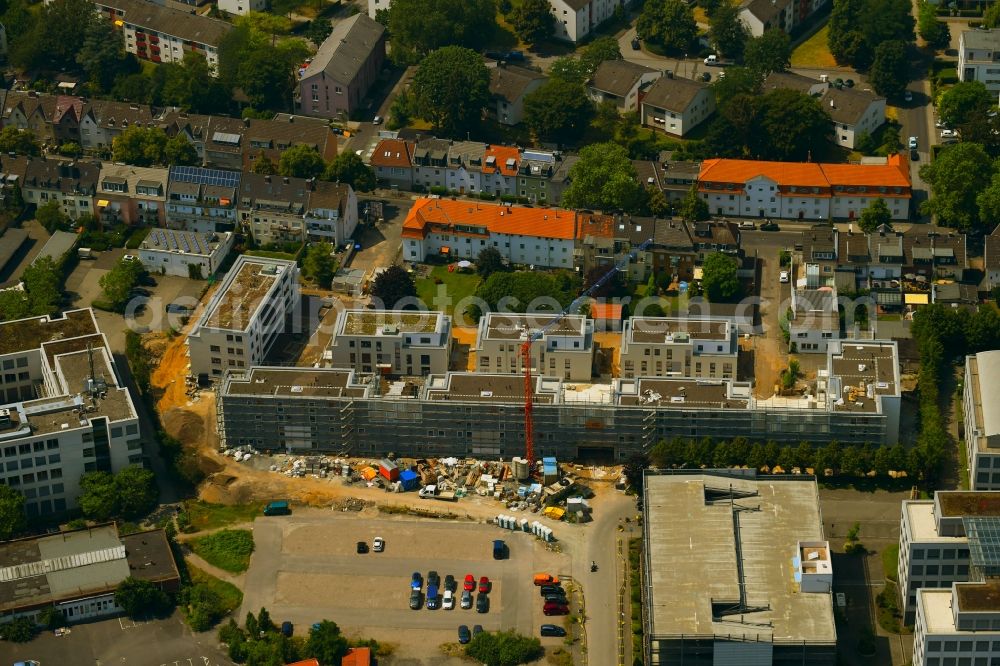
pixel 532 336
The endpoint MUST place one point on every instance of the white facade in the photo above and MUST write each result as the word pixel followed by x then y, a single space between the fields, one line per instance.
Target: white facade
pixel 815 321
pixel 325 221
pixel 238 326
pixel 171 48
pixel 846 134
pixel 946 632
pixel 676 121
pixel 979 57
pixel 669 347
pixel 813 566
pixel 170 252
pixel 392 342
pixel 575 19
pixel 376 5
pixel 242 6
pixel 981 407
pixel 566 350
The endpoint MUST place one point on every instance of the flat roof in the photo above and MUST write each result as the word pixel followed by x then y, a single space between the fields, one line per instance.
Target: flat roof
pixel 681 393
pixel 691 552
pixel 923 523
pixel 502 326
pixel 11 242
pixel 866 370
pixel 937 612
pixel 388 322
pixel 986 403
pixel 960 503
pixel 58 244
pixel 24 334
pixel 294 382
pixel 662 330
pixel 978 597
pixel 481 387
pixel 244 292
pixel 149 556
pixel 183 242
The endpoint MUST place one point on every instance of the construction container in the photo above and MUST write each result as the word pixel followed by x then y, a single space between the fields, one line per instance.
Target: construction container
pixel 409 479
pixel 523 525
pixel 368 473
pixel 345 470
pixel 521 469
pixel 388 469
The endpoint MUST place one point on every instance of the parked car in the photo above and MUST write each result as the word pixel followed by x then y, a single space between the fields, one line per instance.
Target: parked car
pixel 554 599
pixel 466 599
pixel 499 549
pixel 949 134
pixel 415 599
pixel 552 589
pixel 514 56
pixel 749 224
pixel 912 143
pixel 448 600
pixel 464 635
pixel 130 257
pixel 287 628
pixel 378 544
pixel 476 630
pixel 377 120
pixel 635 44
pixel 706 77
pixel 908 96
pixel 362 548
pixel 482 603
pixel 783 277
pixel 450 583
pixel 433 578
pixel 552 630
pixel 770 226
pixel 555 609
pixel 470 582
pixel 433 600
pixel 546 579
pixel 484 585
pixel 416 581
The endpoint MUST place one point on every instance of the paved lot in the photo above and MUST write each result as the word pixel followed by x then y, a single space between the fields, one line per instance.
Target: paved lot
pixel 121 641
pixel 37 235
pixel 306 568
pixel 380 244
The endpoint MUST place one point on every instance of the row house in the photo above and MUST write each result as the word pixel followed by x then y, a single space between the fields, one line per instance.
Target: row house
pixel 332 213
pixel 604 240
pixel 103 120
pixel 163 34
pixel 674 178
pixel 576 19
pixel 392 161
pixel 887 255
pixel 202 200
pixel 272 208
pixel 72 184
pixel 132 195
pixel 804 190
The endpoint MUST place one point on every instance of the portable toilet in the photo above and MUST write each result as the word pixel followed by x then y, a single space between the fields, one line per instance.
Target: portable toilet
pixel 523 524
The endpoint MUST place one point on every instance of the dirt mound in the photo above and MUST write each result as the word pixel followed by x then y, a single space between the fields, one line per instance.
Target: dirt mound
pixel 183 424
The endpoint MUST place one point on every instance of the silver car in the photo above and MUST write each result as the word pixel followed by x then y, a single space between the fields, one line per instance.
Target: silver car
pixel 466 599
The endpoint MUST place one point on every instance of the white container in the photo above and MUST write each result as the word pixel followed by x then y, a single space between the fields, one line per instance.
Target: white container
pixel 524 525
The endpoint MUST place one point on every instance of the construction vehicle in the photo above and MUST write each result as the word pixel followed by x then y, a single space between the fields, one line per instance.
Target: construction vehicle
pixel 532 336
pixel 432 492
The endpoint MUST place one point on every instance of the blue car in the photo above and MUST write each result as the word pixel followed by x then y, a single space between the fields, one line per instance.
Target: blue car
pixel 433 600
pixel 416 581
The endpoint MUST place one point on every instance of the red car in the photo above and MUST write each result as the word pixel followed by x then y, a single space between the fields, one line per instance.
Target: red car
pixel 555 609
pixel 470 582
pixel 484 585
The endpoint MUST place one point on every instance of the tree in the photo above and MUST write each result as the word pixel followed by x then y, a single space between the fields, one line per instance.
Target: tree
pixel 790 375
pixel 963 102
pixel 52 217
pixel 529 290
pixel 858 27
pixel 738 81
pixel 12 518
pixel 326 643
pixel 401 110
pixel 392 286
pixel 570 69
pixel 771 52
pixel 956 177
pixel 98 496
pixel 719 279
pixel 57 36
pixel 140 598
pixel 936 33
pixel 633 468
pixel 350 169
pixel 988 202
pixel 558 111
pixel 102 55
pixel 203 606
pixel 727 30
pixel 301 161
pixel 138 145
pixel 875 215
pixel 419 27
pixel 319 264
pixel 604 178
pixel 669 23
pixel 489 261
pixel 532 20
pixel 43 285
pixel 191 85
pixel 178 151
pixel 136 491
pixel 264 165
pixel 890 70
pixel 600 50
pixel 991 17
pixel 267 76
pixel 656 202
pixel 13 305
pixel 794 126
pixel 451 88
pixel 504 648
pixel 22 142
pixel 118 283
pixel 319 29
pixel 694 208
pixel 19 630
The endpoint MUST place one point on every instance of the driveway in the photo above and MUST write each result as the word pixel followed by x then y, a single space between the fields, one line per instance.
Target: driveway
pixel 381 243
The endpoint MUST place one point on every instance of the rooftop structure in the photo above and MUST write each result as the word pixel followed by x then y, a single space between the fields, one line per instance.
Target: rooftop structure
pixel 682 393
pixel 391 342
pixel 297 383
pixel 863 375
pixel 723 554
pixel 388 322
pixel 243 293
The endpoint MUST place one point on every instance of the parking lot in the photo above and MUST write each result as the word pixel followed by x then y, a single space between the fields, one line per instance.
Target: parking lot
pixel 306 568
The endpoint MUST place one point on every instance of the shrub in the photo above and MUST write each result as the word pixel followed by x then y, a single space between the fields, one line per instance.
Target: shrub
pixel 227 549
pixel 18 630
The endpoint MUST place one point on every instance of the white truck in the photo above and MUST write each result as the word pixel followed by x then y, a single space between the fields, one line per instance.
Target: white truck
pixel 432 492
pixel 715 61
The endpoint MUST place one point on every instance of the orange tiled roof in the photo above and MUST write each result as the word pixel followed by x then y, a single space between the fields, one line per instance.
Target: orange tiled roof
pixel 502 154
pixel 611 311
pixel 360 656
pixel 496 218
pixel 593 224
pixel 392 153
pixel 895 173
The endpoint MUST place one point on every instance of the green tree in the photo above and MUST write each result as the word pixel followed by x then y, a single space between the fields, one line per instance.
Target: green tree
pixel 693 208
pixel 22 142
pixel 875 215
pixel 98 495
pixel 489 261
pixel 138 145
pixel 858 27
pixel 669 23
pixel 52 217
pixel 401 110
pixel 349 168
pixel 988 203
pixel 523 289
pixel 504 648
pixel 140 598
pixel 136 491
pixel 963 102
pixel 956 177
pixel 60 33
pixel 890 70
pixel 771 52
pixel 604 178
pixel 203 606
pixel 12 518
pixel 936 33
pixel 265 165
pixel 319 29
pixel 118 283
pixel 558 111
pixel 267 76
pixel 43 284
pixel 18 630
pixel 102 55
pixel 191 85
pixel 792 126
pixel 656 202
pixel 178 151
pixel 451 88
pixel 569 69
pixel 420 27
pixel 392 286
pixel 13 305
pixel 719 279
pixel 319 264
pixel 532 20
pixel 600 50
pixel 727 31
pixel 738 81
pixel 326 643
pixel 991 17
pixel 301 161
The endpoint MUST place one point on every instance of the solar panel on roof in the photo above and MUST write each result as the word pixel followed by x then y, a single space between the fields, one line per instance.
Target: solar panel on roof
pixel 202 176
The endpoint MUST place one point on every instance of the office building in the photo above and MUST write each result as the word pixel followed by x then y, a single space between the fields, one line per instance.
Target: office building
pixel 958 625
pixel 981 409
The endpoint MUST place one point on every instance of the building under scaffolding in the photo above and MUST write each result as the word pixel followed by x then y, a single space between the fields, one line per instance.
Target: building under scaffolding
pixel 735 571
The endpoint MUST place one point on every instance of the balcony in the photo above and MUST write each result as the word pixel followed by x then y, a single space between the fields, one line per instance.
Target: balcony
pixel 140 37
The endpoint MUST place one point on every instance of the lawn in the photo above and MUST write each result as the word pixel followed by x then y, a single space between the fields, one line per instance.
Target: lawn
pixel 814 52
pixel 205 516
pixel 227 549
pixel 890 562
pixel 230 595
pixel 457 286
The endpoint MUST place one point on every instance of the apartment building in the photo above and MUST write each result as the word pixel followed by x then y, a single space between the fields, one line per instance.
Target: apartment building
pixel 815 320
pixel 72 184
pixel 65 410
pixel 131 195
pixel 671 347
pixel 960 625
pixel 619 82
pixel 159 33
pixel 933 543
pixel 241 7
pixel 981 409
pixel 391 342
pixel 979 57
pixel 202 200
pixel 542 237
pixel 605 240
pixel 185 253
pixel 804 191
pixel 575 19
pixel 676 105
pixel 509 85
pixel 332 213
pixel 392 160
pixel 566 350
pixel 248 311
pixel 272 208
pixel 889 255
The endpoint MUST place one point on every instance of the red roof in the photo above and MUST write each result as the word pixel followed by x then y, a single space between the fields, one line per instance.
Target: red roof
pixel 392 153
pixel 306 662
pixel 501 154
pixel 448 214
pixel 894 173
pixel 359 656
pixel 610 311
